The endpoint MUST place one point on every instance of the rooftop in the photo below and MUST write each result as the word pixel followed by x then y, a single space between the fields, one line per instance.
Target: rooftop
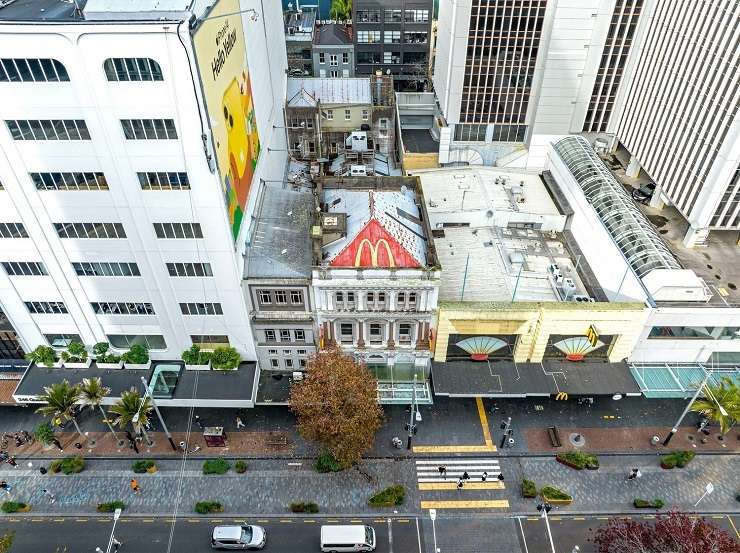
pixel 334 34
pixel 281 245
pixel 39 10
pixel 299 25
pixel 308 92
pixel 98 10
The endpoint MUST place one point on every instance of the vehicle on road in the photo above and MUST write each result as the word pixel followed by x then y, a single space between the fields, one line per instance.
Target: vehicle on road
pixel 238 537
pixel 346 538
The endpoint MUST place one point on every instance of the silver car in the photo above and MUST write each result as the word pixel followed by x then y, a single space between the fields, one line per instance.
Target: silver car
pixel 238 537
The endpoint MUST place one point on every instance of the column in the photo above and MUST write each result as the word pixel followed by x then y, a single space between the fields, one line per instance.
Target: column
pixel 633 168
pixel 391 343
pixel 360 334
pixel 422 335
pixel 360 296
pixel 328 297
pixel 656 202
pixel 392 300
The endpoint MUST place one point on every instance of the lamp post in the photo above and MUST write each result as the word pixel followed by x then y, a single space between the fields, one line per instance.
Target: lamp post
pixel 159 415
pixel 116 516
pixel 412 426
pixel 544 508
pixel 433 516
pixel 688 407
pixel 709 488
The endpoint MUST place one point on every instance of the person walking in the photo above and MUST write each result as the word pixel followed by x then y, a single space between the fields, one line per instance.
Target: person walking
pixel 633 474
pixel 135 486
pixel 465 475
pixel 116 544
pixel 197 421
pixel 239 423
pixel 460 483
pixel 442 471
pixel 484 476
pixel 500 477
pixel 12 462
pixel 50 495
pixel 5 487
pixel 57 444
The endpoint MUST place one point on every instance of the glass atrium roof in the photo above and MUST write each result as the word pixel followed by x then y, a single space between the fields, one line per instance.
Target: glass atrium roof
pixel 641 245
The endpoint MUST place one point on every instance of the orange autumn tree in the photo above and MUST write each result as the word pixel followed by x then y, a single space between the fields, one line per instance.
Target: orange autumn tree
pixel 337 405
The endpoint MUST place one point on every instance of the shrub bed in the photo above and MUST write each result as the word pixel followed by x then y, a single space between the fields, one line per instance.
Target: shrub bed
pixel 14 507
pixel 141 466
pixel 68 465
pixel 529 490
pixel 394 495
pixel 240 466
pixel 647 503
pixel 578 460
pixel 304 507
pixel 677 459
pixel 216 466
pixel 550 492
pixel 327 463
pixel 207 507
pixel 111 506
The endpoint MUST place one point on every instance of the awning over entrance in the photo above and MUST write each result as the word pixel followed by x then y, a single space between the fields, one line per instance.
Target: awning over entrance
pixel 679 380
pixel 509 379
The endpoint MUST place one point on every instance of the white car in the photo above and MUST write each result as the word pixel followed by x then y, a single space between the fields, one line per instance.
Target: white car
pixel 238 537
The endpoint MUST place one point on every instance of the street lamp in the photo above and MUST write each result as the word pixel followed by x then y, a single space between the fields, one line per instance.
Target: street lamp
pixel 709 488
pixel 116 516
pixel 701 386
pixel 159 415
pixel 433 516
pixel 544 508
pixel 411 426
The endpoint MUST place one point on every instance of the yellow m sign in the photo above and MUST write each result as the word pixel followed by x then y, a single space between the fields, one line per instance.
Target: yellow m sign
pixel 374 252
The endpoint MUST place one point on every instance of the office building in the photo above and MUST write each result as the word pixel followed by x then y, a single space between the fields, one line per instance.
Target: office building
pixel 132 140
pixel 393 37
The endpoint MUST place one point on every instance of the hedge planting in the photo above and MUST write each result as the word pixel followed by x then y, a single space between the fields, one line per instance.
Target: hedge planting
pixel 551 492
pixel 141 466
pixel 240 466
pixel 13 506
pixel 68 465
pixel 578 460
pixel 304 507
pixel 216 466
pixel 394 495
pixel 327 463
pixel 111 506
pixel 647 503
pixel 207 507
pixel 677 459
pixel 529 490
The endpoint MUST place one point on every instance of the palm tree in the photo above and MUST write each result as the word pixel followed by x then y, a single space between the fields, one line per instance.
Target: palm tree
pixel 132 409
pixel 60 399
pixel 92 394
pixel 721 404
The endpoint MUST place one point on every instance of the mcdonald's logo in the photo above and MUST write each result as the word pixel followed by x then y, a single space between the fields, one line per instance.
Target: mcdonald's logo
pixel 561 396
pixel 374 252
pixel 592 336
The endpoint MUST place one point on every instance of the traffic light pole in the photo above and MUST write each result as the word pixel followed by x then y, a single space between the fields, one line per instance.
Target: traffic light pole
pixel 507 424
pixel 544 509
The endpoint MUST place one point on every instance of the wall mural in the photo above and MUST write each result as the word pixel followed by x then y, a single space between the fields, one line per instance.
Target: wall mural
pixel 480 348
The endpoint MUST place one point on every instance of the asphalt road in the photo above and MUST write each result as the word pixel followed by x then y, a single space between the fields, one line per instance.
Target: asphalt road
pixel 569 531
pixel 191 535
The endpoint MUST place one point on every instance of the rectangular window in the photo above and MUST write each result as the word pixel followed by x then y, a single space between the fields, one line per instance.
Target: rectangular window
pixel 302 352
pixel 206 308
pixel 46 307
pixel 60 341
pixel 345 58
pixel 329 114
pixel 368 37
pixel 296 297
pixel 368 16
pixel 125 341
pixel 24 268
pixel 417 16
pixel 178 230
pixel 346 331
pixel 286 352
pixel 415 37
pixel 48 129
pixel 284 335
pixel 376 333
pixel 302 363
pixel 334 74
pixel 132 69
pixel 695 333
pixel 288 363
pixel 272 352
pixel 163 181
pixel 393 16
pixel 347 114
pixel 32 70
pixel 189 269
pixel 401 297
pixel 368 57
pixel 281 297
pixel 122 308
pixel 333 60
pixel 392 37
pixel 106 269
pixel 365 115
pixel 404 332
pixel 90 230
pixel 209 341
pixel 274 363
pixel 13 230
pixel 322 57
pixel 269 335
pixel 149 129
pixel 300 335
pixel 391 57
pixel 70 181
pixel 265 297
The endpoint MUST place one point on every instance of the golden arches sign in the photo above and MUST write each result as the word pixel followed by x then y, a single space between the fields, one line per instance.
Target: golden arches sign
pixel 374 252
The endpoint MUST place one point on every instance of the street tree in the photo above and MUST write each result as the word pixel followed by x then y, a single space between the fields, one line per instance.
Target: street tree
pixel 727 395
pixel 6 541
pixel 61 400
pixel 340 10
pixel 672 532
pixel 337 405
pixel 92 394
pixel 126 408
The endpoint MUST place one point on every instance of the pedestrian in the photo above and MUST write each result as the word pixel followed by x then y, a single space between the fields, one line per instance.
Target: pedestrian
pixel 131 441
pixel 442 471
pixel 135 486
pixel 198 422
pixel 12 462
pixel 115 543
pixel 78 445
pixel 42 470
pixel 460 483
pixel 5 487
pixel 239 423
pixel 465 475
pixel 183 446
pixel 57 444
pixel 484 476
pixel 638 474
pixel 500 477
pixel 633 474
pixel 50 495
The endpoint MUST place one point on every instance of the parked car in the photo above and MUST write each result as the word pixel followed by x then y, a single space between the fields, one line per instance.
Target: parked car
pixel 644 193
pixel 238 537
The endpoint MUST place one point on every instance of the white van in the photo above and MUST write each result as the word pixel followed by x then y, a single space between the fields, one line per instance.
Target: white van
pixel 355 537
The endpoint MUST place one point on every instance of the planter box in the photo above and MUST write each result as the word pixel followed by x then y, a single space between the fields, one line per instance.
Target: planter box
pixel 139 366
pixel 57 364
pixel 70 365
pixel 557 501
pixel 118 365
pixel 25 509
pixel 198 367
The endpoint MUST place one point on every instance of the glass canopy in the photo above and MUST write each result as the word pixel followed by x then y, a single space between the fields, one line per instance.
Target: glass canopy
pixel 635 236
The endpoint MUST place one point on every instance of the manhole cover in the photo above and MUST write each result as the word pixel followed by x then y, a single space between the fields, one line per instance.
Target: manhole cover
pixel 577 439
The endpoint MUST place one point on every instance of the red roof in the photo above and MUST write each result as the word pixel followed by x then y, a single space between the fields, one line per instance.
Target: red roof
pixel 374 246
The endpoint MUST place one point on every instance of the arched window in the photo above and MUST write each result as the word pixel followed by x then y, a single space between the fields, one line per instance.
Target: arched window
pixel 132 69
pixel 32 70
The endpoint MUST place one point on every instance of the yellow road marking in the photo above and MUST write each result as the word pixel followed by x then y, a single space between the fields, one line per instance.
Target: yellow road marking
pixel 453 448
pixel 15 520
pixel 193 520
pixel 332 520
pixel 484 422
pixel 533 518
pixel 355 520
pixel 80 520
pixel 285 520
pixel 315 521
pixel 648 516
pixel 37 520
pixel 602 518
pixel 479 504
pixel 733 526
pixel 147 520
pixel 579 518
pixel 216 520
pixel 429 486
pixel 717 516
pixel 62 520
pixel 263 520
pixel 402 520
pixel 379 520
pixel 556 518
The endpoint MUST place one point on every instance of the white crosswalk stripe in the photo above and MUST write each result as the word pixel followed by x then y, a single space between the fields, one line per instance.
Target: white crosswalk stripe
pixel 428 471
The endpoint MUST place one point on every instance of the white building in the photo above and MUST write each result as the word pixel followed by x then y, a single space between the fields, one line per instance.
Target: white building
pixel 114 225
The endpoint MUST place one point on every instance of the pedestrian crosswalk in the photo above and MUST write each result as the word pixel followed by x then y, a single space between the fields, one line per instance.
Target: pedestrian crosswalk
pixel 442 483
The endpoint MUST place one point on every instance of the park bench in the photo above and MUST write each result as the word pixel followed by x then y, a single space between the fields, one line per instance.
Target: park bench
pixel 554 435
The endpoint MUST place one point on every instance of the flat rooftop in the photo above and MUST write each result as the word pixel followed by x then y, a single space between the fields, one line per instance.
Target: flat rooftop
pixel 419 141
pixel 100 10
pixel 299 26
pixel 504 264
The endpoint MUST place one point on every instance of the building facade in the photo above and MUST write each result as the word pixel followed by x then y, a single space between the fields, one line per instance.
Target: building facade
pixel 333 51
pixel 114 223
pixel 393 37
pixel 299 33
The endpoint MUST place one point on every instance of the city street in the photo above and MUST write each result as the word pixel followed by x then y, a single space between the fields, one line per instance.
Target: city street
pixel 192 535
